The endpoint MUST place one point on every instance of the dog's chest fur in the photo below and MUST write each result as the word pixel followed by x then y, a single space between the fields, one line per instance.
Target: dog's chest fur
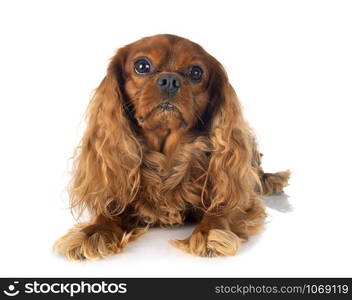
pixel 171 186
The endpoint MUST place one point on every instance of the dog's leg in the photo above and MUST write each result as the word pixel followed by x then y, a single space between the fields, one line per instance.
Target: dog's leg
pixel 271 183
pixel 97 239
pixel 223 235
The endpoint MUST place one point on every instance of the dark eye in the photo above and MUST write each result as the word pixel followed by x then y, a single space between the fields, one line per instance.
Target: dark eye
pixel 142 66
pixel 195 73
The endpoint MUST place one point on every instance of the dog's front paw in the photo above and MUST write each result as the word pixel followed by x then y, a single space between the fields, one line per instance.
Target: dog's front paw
pixel 214 242
pixel 86 241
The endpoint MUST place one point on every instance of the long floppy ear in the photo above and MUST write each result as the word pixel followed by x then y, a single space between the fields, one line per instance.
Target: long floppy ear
pixel 106 167
pixel 233 178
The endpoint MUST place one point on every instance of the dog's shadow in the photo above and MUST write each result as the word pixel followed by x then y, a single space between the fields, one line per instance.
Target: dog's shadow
pixel 278 202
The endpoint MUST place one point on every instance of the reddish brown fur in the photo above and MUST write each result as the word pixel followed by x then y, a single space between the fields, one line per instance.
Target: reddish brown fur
pixel 138 167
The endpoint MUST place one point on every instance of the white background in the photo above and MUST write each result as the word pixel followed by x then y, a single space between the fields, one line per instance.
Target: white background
pixel 290 63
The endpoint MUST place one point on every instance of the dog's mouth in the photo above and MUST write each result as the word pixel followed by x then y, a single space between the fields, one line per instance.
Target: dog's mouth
pixel 167 107
pixel 165 110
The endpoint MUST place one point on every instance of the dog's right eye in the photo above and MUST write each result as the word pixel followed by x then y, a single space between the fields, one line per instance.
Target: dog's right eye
pixel 142 66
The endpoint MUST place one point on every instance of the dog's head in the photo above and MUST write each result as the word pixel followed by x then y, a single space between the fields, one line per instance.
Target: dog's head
pixel 168 81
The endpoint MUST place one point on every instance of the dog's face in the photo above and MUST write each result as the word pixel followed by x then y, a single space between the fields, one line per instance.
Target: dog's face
pixel 166 80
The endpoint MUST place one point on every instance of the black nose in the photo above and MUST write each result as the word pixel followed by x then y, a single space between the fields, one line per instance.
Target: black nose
pixel 169 84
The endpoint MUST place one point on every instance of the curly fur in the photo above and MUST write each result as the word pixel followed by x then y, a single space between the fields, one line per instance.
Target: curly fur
pixel 210 172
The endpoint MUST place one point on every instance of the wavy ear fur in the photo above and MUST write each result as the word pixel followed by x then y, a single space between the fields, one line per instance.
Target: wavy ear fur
pixel 106 165
pixel 231 171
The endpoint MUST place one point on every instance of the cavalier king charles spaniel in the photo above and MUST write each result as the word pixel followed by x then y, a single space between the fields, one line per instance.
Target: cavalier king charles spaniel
pixel 166 143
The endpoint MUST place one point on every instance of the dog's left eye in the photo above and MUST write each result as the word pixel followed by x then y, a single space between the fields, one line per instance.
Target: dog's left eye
pixel 195 73
pixel 142 66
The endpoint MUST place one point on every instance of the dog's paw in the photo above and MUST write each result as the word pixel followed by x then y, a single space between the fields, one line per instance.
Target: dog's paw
pixel 212 243
pixel 92 242
pixel 274 183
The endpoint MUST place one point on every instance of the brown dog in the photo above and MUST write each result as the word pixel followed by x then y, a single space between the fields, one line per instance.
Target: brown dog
pixel 166 141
